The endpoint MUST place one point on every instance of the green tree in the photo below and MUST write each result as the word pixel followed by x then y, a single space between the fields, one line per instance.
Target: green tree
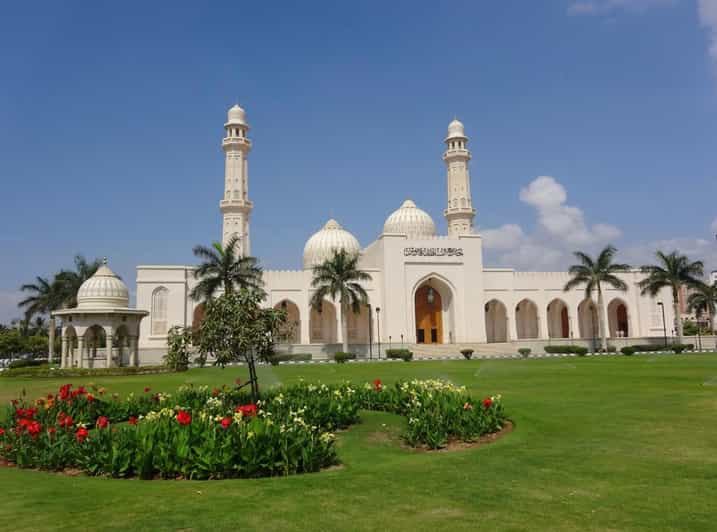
pixel 223 269
pixel 703 299
pixel 672 271
pixel 70 281
pixel 237 328
pixel 11 343
pixel 179 344
pixel 339 278
pixel 594 274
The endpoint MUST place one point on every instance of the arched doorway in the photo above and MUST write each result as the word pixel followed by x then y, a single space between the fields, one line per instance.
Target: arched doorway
pixel 323 325
pixel 120 343
pixel 558 319
pixel 290 333
pixel 617 319
pixel 526 319
pixel 429 315
pixel 198 315
pixel 95 344
pixel 358 325
pixel 587 319
pixel 496 322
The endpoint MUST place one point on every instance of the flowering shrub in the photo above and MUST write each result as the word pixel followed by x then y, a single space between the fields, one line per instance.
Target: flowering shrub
pixel 199 433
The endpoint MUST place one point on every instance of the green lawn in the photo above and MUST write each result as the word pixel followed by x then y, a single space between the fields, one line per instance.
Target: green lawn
pixel 608 443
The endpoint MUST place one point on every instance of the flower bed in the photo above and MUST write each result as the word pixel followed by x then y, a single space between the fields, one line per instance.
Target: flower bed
pixel 202 433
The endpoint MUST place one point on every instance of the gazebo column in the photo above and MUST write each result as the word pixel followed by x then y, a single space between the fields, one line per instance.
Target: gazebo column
pixel 63 353
pixel 81 351
pixel 108 361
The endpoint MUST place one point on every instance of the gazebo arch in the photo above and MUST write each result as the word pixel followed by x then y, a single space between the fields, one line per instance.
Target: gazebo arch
pixel 496 321
pixel 526 319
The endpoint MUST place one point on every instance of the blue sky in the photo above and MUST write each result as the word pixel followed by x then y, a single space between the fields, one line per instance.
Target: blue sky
pixel 590 121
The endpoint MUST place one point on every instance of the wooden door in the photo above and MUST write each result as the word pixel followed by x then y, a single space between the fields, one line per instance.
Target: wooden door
pixel 429 316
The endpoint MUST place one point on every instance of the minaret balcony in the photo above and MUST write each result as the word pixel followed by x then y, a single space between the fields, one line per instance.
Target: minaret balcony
pixel 236 142
pixel 236 205
pixel 457 153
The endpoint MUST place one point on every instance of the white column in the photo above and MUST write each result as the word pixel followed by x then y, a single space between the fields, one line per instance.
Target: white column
pixel 304 320
pixel 108 349
pixel 81 351
pixel 63 352
pixel 133 351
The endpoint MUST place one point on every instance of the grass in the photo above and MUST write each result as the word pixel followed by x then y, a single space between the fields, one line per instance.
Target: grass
pixel 604 443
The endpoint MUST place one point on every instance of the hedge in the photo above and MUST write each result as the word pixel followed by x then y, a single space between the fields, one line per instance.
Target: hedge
pixel 42 372
pixel 651 348
pixel 289 357
pixel 403 354
pixel 27 363
pixel 342 357
pixel 567 349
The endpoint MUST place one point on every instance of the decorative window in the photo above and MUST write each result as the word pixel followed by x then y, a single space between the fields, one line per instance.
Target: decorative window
pixel 159 311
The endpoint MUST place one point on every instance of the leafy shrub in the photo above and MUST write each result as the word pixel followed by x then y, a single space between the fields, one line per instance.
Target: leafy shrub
pixel 678 348
pixel 404 354
pixel 524 351
pixel 628 350
pixel 44 371
pixel 467 353
pixel 340 357
pixel 288 357
pixel 179 341
pixel 651 348
pixel 566 349
pixel 27 363
pixel 216 434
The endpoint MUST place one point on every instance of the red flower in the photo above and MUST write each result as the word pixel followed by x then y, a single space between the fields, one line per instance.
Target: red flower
pixel 33 428
pixel 215 392
pixel 65 391
pixel 102 422
pixel 487 402
pixel 90 397
pixel 132 420
pixel 226 422
pixel 377 385
pixel 147 389
pixel 81 434
pixel 81 390
pixel 247 410
pixel 51 430
pixel 238 381
pixel 14 402
pixel 2 431
pixel 184 418
pixel 50 396
pixel 63 420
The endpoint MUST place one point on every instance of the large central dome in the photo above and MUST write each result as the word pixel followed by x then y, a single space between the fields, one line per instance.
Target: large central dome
pixel 410 220
pixel 321 245
pixel 103 290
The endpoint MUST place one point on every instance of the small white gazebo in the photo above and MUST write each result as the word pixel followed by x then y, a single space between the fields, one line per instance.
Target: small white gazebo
pixel 102 316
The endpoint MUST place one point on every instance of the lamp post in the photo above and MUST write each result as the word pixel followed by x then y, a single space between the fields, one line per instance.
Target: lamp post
pixel 664 324
pixel 378 331
pixel 370 332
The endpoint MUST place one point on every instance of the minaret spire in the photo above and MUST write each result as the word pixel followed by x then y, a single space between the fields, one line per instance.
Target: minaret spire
pixel 236 207
pixel 459 212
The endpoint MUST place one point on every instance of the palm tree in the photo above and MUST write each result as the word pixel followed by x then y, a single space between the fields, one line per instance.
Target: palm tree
pixel 70 281
pixel 43 297
pixel 672 271
pixel 704 299
pixel 339 277
pixel 223 269
pixel 594 274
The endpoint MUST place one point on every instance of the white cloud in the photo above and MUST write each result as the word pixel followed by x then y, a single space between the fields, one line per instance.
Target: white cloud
pixel 563 222
pixel 714 226
pixel 707 11
pixel 605 7
pixel 561 229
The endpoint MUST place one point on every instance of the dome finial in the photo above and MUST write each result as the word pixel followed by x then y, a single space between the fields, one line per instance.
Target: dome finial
pixel 104 261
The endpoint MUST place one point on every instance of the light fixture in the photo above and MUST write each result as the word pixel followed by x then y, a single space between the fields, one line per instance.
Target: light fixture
pixel 430 296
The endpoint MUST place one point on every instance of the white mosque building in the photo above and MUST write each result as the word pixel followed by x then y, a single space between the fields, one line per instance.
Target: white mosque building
pixel 428 290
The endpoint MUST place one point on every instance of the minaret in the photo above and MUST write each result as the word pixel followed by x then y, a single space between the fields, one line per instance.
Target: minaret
pixel 236 206
pixel 460 212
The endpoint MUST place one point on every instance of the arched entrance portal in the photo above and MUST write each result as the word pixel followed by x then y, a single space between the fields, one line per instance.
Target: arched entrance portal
pixel 558 319
pixel 429 316
pixel 526 319
pixel 290 333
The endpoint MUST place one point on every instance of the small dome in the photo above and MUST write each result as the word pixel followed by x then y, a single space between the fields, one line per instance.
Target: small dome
pixel 103 290
pixel 236 115
pixel 411 221
pixel 456 129
pixel 321 245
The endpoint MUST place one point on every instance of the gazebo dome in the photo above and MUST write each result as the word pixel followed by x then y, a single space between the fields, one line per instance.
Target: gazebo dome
pixel 332 237
pixel 103 290
pixel 456 129
pixel 411 221
pixel 236 115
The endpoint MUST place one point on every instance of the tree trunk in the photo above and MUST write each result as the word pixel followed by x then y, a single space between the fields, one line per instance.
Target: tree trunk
pixel 253 380
pixel 344 328
pixel 676 310
pixel 51 340
pixel 601 319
